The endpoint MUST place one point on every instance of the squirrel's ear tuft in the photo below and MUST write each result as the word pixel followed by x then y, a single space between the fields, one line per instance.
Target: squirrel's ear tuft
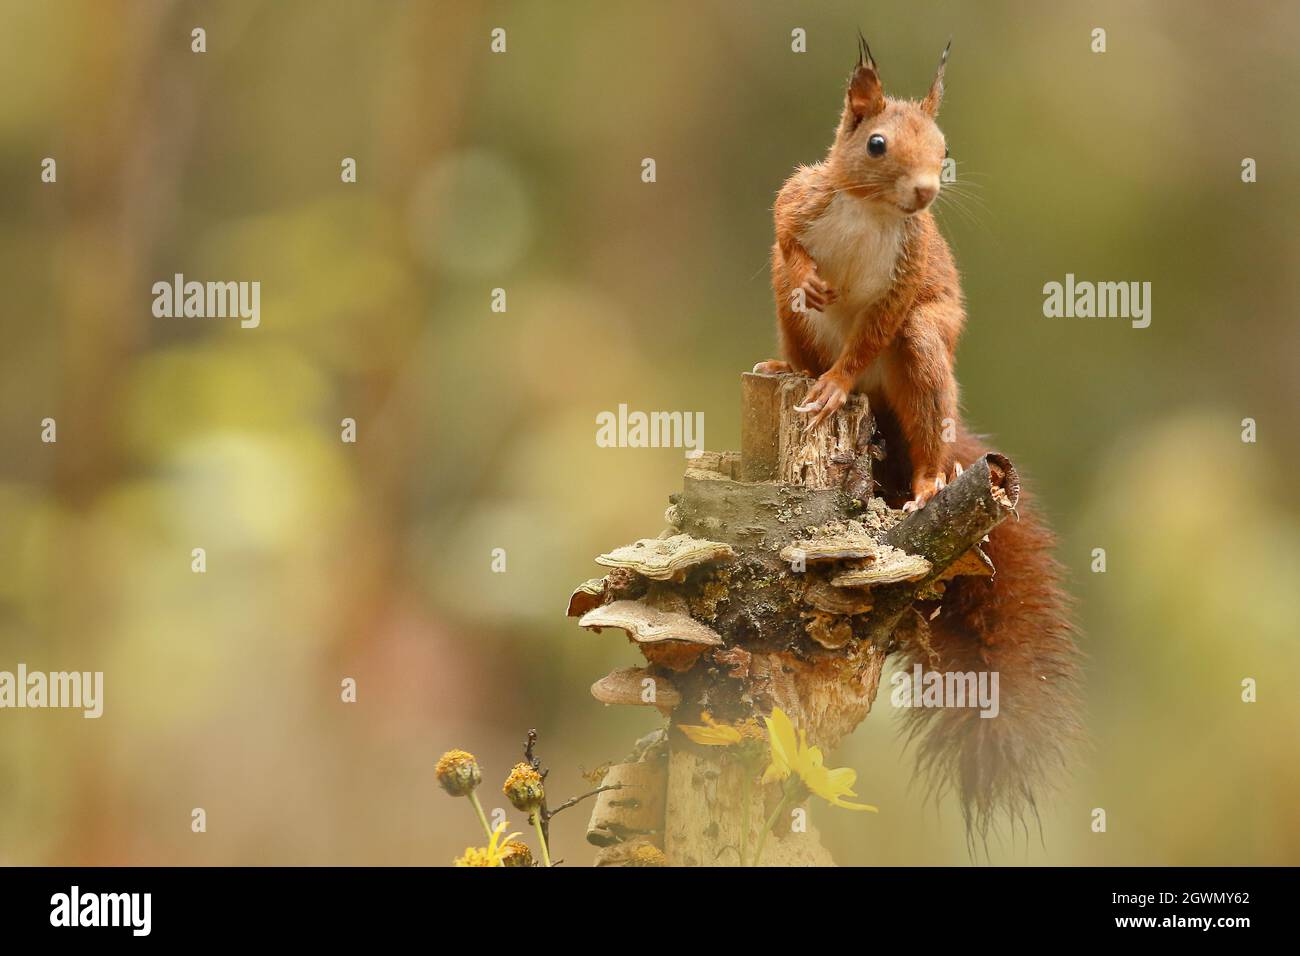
pixel 932 99
pixel 866 95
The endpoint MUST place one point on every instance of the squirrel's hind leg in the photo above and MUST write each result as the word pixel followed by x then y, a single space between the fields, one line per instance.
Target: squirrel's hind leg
pixel 922 392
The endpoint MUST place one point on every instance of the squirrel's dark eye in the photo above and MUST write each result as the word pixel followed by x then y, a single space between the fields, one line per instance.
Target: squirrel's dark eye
pixel 876 145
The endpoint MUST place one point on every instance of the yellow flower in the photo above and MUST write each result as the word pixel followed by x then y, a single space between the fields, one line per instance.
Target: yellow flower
pixel 792 755
pixel 491 855
pixel 714 734
pixel 475 856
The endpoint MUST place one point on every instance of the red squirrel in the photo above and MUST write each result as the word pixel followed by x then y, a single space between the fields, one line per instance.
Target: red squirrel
pixel 869 300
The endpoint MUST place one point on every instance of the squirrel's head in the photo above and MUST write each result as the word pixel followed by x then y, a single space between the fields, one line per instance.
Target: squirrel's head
pixel 889 152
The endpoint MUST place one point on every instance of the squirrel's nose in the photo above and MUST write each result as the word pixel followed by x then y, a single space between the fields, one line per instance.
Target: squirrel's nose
pixel 925 192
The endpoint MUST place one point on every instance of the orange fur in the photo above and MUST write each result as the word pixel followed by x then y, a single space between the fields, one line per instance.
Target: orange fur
pixel 901 335
pixel 884 312
pixel 1017 624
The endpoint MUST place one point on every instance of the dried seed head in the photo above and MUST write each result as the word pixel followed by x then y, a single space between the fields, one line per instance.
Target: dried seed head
pixel 524 788
pixel 458 772
pixel 516 853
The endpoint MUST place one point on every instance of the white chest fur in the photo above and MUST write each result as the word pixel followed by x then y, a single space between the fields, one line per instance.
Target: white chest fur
pixel 856 251
pixel 855 248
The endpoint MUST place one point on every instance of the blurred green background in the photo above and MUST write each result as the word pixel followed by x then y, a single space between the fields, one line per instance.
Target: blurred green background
pixel 477 429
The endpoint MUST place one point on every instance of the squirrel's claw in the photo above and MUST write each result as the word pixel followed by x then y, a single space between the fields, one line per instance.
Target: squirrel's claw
pixel 825 398
pixel 923 489
pixel 817 295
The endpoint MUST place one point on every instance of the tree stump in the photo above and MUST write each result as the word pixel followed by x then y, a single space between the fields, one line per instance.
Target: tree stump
pixel 780 582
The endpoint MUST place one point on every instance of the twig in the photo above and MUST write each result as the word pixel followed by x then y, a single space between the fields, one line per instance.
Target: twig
pixel 543 815
pixel 533 761
pixel 954 521
pixel 574 801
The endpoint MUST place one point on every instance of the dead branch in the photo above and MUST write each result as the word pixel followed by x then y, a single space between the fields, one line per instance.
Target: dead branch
pixel 779 583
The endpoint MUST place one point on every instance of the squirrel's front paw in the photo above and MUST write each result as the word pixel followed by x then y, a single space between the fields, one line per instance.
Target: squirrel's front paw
pixel 773 367
pixel 812 294
pixel 825 398
pixel 924 487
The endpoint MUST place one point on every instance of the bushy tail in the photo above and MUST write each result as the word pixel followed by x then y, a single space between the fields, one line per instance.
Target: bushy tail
pixel 1018 624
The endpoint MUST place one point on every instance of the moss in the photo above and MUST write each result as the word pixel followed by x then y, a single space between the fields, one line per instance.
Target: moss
pixel 713 590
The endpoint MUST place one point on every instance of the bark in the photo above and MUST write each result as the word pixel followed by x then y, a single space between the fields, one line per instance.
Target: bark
pixel 704 818
pixel 791 636
pixel 955 521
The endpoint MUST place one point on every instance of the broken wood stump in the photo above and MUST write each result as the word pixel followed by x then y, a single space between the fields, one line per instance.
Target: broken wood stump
pixel 781 581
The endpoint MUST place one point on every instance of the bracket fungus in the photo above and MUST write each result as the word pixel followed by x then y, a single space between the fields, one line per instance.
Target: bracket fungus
pixel 587 595
pixel 888 566
pixel 638 687
pixel 649 625
pixel 973 563
pixel 662 559
pixel 825 596
pixel 781 583
pixel 667 638
pixel 853 542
